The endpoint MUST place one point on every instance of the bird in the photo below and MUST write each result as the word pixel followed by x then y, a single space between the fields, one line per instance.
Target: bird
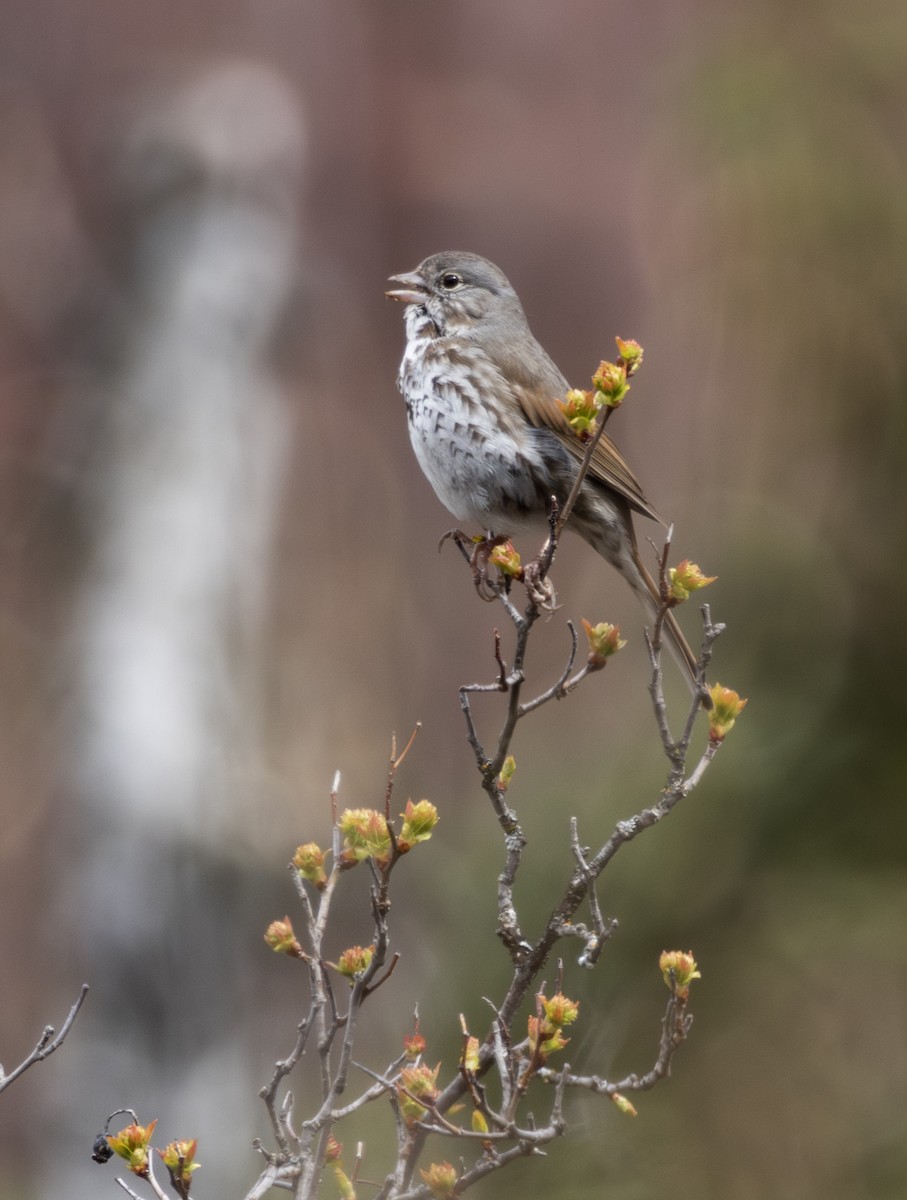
pixel 481 401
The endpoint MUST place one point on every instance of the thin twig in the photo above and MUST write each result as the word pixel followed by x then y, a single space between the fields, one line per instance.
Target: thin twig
pixel 675 1027
pixel 395 762
pixel 126 1188
pixel 47 1043
pixel 567 508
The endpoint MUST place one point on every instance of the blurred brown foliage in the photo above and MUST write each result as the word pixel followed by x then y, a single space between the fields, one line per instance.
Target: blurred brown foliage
pixel 725 182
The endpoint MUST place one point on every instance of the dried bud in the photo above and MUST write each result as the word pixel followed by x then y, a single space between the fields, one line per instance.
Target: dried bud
pixel 581 410
pixel 418 822
pixel 685 578
pixel 610 383
pixel 414 1084
pixel 441 1179
pixel 508 770
pixel 179 1159
pixel 604 640
pixel 100 1149
pixel 726 708
pixel 354 961
pixel 624 1104
pixel 280 937
pixel 365 835
pixel 631 354
pixel 507 559
pixel 131 1144
pixel 309 862
pixel 679 969
pixel 559 1010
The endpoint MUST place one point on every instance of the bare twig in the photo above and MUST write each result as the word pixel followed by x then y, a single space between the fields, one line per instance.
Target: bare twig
pixel 514 1057
pixel 127 1189
pixel 529 958
pixel 675 1027
pixel 46 1044
pixel 563 517
pixel 396 761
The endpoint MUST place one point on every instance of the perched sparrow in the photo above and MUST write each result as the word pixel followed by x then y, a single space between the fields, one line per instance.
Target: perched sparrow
pixel 481 397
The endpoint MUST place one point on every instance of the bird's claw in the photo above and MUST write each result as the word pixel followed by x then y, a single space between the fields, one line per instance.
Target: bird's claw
pixel 477 551
pixel 481 553
pixel 538 586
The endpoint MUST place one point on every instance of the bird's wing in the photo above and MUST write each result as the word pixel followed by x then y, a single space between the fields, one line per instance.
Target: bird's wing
pixel 537 396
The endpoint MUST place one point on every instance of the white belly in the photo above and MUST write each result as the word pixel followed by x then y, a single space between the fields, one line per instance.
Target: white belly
pixel 481 463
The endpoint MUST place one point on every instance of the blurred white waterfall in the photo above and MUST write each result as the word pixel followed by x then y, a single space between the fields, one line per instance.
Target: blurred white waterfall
pixel 183 499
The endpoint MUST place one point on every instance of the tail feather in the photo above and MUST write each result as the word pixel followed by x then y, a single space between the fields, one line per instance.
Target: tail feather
pixel 609 529
pixel 678 646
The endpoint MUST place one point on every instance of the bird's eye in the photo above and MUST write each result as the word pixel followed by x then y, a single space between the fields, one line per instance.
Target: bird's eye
pixel 450 280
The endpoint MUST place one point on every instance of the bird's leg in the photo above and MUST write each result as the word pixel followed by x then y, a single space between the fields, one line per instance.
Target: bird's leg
pixel 460 539
pixel 538 585
pixel 476 550
pixel 481 552
pixel 535 574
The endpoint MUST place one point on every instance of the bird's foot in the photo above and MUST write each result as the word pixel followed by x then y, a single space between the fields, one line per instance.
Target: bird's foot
pixel 538 586
pixel 477 550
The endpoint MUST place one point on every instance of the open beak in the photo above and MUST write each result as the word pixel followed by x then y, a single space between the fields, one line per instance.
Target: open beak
pixel 412 290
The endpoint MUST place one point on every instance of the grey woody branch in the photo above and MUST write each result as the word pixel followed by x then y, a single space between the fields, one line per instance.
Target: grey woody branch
pixel 507 1060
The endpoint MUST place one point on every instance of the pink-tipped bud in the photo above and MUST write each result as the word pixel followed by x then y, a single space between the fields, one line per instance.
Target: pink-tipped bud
pixel 418 822
pixel 631 354
pixel 354 961
pixel 507 559
pixel 415 1084
pixel 610 384
pixel 604 641
pixel 581 410
pixel 726 708
pixel 132 1144
pixel 441 1180
pixel 365 835
pixel 679 969
pixel 309 862
pixel 685 579
pixel 281 938
pixel 559 1010
pixel 414 1046
pixel 179 1159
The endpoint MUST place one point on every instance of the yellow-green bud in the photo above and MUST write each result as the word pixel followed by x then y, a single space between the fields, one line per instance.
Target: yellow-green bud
pixel 309 862
pixel 679 969
pixel 623 1104
pixel 441 1179
pixel 685 578
pixel 604 641
pixel 281 938
pixel 631 354
pixel 418 822
pixel 131 1144
pixel 726 708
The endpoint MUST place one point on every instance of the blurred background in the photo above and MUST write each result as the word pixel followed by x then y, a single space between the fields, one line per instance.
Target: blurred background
pixel 219 580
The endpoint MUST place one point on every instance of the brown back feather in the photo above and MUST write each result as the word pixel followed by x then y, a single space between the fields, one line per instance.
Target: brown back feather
pixel 537 385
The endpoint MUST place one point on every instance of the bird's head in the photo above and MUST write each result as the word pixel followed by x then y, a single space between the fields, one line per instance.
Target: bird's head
pixel 459 292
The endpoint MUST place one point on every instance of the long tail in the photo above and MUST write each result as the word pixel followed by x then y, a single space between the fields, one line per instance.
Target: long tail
pixel 611 534
pixel 678 645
